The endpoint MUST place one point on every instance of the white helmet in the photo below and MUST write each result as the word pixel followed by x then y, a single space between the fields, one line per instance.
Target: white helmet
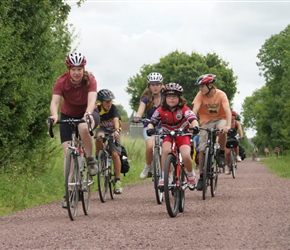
pixel 154 78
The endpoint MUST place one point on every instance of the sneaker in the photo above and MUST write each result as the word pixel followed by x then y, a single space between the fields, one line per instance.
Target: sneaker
pixel 199 185
pixel 228 171
pixel 64 204
pixel 118 187
pixel 161 182
pixel 93 167
pixel 221 160
pixel 192 184
pixel 145 171
pixel 239 158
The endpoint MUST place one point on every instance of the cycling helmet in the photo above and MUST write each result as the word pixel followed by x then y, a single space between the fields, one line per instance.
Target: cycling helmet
pixel 75 60
pixel 234 113
pixel 206 79
pixel 154 78
pixel 173 88
pixel 105 95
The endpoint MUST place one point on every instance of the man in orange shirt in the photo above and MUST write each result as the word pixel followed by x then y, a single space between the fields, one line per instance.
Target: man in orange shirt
pixel 212 106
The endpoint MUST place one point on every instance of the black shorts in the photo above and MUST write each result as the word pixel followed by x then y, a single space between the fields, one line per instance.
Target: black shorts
pixel 65 129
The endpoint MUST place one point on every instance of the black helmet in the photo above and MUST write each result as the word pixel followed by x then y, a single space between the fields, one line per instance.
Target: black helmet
pixel 105 95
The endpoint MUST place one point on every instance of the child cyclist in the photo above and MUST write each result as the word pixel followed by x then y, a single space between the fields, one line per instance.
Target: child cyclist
pixel 150 100
pixel 174 114
pixel 110 121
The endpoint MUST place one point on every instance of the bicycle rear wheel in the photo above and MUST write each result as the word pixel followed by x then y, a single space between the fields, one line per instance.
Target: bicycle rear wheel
pixel 205 166
pixel 214 179
pixel 111 178
pixel 233 163
pixel 182 191
pixel 71 184
pixel 87 184
pixel 103 176
pixel 157 175
pixel 171 191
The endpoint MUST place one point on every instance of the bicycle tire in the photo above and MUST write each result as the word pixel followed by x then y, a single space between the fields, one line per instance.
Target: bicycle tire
pixel 87 183
pixel 71 186
pixel 233 163
pixel 182 191
pixel 214 179
pixel 205 166
pixel 171 191
pixel 111 178
pixel 103 176
pixel 157 175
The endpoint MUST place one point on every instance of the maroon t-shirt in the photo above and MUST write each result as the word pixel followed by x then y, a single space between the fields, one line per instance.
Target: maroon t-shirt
pixel 74 98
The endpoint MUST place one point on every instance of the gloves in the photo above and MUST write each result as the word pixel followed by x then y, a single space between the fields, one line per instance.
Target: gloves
pixel 151 131
pixel 195 130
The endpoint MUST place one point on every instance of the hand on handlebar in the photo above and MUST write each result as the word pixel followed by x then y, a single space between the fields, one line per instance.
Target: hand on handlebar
pixel 151 131
pixel 136 118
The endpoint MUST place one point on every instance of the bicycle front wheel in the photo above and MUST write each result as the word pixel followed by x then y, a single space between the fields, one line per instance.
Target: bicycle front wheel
pixel 103 176
pixel 157 175
pixel 87 184
pixel 214 179
pixel 71 184
pixel 233 163
pixel 111 178
pixel 171 191
pixel 205 165
pixel 182 191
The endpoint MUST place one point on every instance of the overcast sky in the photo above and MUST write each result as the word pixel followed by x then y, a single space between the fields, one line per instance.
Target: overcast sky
pixel 118 37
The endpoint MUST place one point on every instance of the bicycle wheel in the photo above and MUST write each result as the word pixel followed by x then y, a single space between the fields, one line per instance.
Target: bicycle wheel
pixel 111 175
pixel 171 191
pixel 157 175
pixel 233 163
pixel 182 191
pixel 214 179
pixel 103 176
pixel 205 178
pixel 71 186
pixel 87 183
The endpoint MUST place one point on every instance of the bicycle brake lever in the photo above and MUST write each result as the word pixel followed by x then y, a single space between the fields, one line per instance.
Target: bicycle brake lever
pixel 88 121
pixel 49 126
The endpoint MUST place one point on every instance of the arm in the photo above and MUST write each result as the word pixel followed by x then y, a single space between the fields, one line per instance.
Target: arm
pixel 54 104
pixel 195 108
pixel 240 131
pixel 92 96
pixel 117 127
pixel 140 112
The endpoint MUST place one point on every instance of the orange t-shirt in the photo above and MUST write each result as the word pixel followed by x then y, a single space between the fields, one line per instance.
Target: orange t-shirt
pixel 211 108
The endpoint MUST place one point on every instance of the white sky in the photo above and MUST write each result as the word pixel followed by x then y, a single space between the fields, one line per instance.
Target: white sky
pixel 119 37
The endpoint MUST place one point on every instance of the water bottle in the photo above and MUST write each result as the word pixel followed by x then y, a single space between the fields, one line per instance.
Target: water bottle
pixel 81 159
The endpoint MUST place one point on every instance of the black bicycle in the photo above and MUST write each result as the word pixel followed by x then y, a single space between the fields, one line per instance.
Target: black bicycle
pixel 210 166
pixel 78 182
pixel 106 174
pixel 232 143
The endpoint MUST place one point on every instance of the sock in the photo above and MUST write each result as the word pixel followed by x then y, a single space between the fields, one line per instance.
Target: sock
pixel 117 179
pixel 191 175
pixel 148 166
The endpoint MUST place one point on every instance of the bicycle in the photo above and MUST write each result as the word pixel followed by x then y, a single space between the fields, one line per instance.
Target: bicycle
pixel 232 143
pixel 78 182
pixel 156 162
pixel 210 166
pixel 175 176
pixel 106 174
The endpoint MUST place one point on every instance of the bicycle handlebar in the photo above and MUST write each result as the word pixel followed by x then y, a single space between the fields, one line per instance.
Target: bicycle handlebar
pixel 176 132
pixel 69 121
pixel 108 135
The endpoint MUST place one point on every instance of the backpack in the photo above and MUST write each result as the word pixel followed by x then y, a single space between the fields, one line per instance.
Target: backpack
pixel 242 152
pixel 125 166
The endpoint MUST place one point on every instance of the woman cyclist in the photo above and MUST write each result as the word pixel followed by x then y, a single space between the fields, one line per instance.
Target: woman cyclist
pixel 150 100
pixel 77 90
pixel 174 114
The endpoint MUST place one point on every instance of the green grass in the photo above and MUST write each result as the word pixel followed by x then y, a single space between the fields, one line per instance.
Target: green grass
pixel 278 166
pixel 19 191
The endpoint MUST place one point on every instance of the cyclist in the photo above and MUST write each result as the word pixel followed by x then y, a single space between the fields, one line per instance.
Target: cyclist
pixel 213 108
pixel 150 100
pixel 236 128
pixel 77 90
pixel 110 121
pixel 174 114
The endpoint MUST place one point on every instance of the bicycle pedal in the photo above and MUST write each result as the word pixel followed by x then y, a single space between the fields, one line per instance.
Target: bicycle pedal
pixel 149 175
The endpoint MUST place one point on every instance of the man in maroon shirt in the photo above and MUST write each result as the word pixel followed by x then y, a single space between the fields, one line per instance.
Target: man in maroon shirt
pixel 77 89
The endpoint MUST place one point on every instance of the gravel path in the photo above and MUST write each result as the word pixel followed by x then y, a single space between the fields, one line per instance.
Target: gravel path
pixel 249 212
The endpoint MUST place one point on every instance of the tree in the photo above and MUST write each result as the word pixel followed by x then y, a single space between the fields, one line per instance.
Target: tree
pixel 123 113
pixel 184 69
pixel 268 109
pixel 34 42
